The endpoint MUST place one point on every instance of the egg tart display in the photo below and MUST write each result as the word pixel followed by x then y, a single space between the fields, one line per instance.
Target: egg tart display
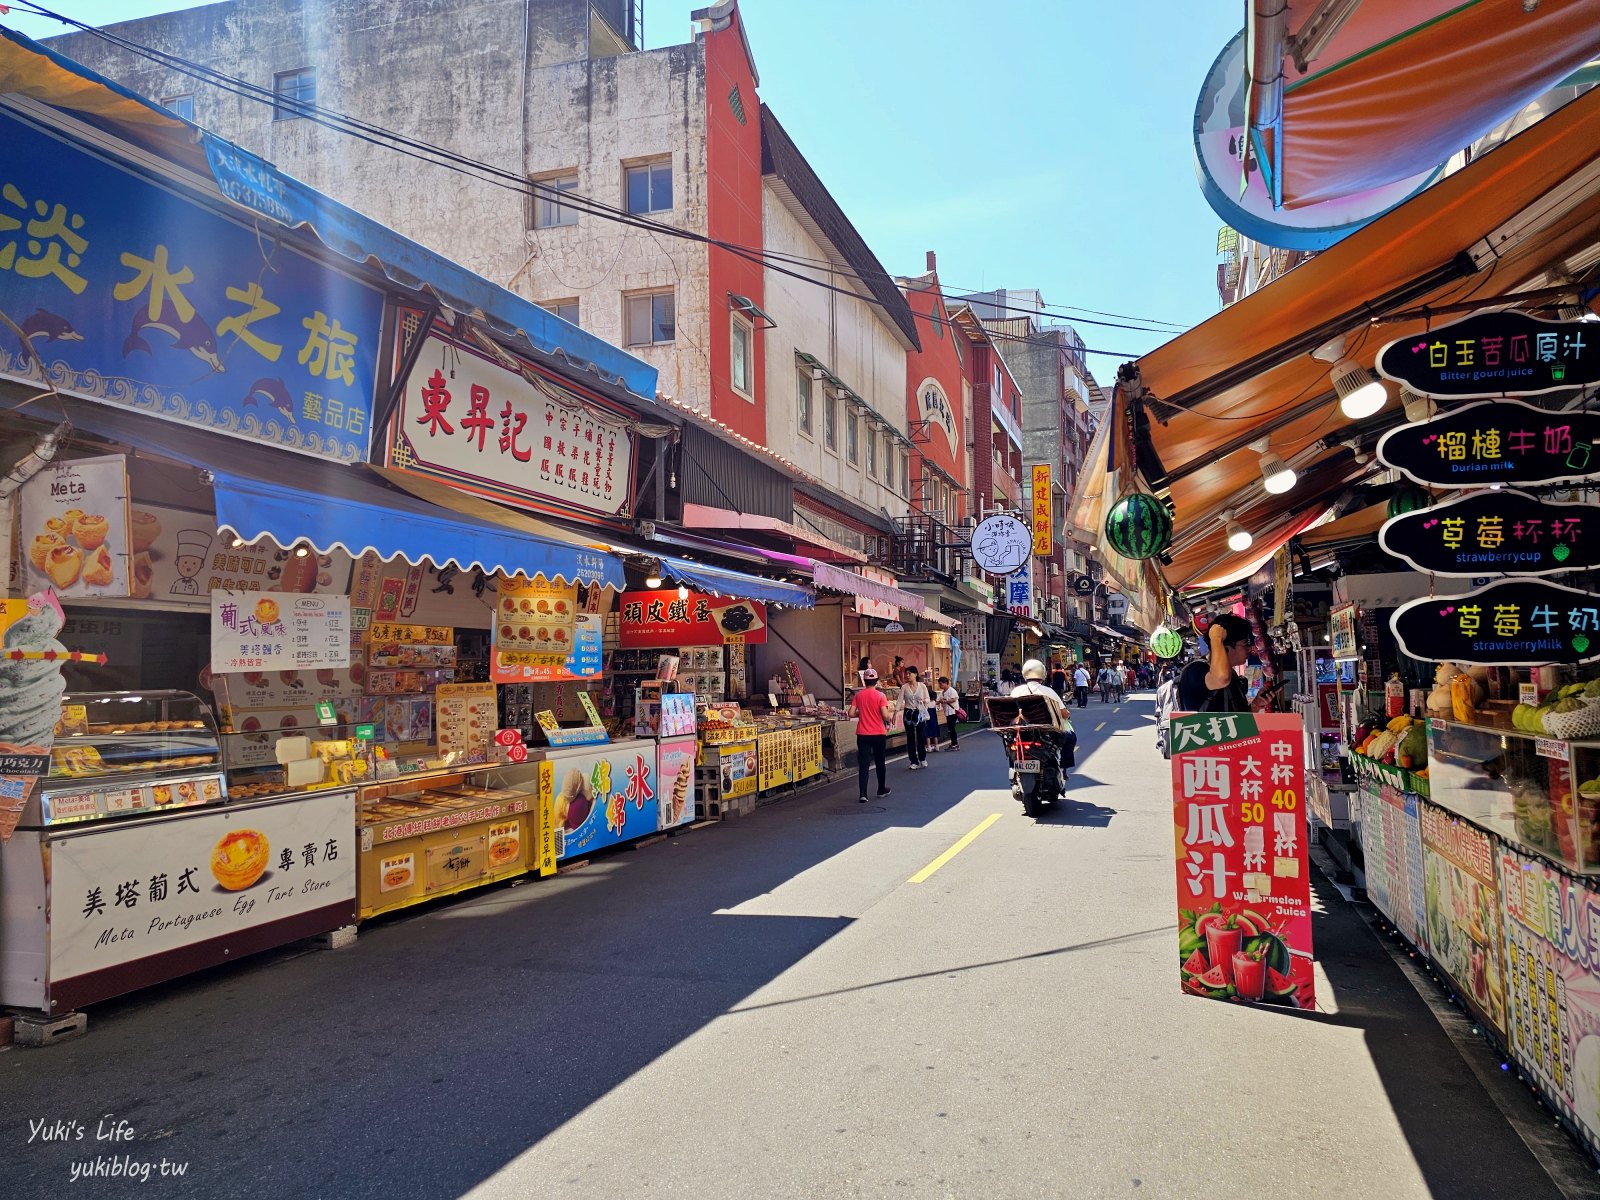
pixel 91 530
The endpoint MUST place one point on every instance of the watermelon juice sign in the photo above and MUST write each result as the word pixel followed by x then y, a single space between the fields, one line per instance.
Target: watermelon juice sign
pixel 1493 532
pixel 1244 887
pixel 1499 441
pixel 1495 354
pixel 1552 959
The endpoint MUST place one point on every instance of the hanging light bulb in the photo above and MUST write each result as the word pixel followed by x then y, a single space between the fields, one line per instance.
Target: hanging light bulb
pixel 1277 476
pixel 1239 539
pixel 683 592
pixel 1360 392
pixel 1418 407
pixel 300 551
pixel 653 580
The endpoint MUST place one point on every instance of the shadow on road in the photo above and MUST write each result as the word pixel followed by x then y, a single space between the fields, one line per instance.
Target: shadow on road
pixel 1085 814
pixel 345 1073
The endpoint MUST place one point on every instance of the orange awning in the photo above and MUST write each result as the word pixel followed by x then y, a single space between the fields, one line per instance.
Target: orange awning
pixel 1362 524
pixel 1404 84
pixel 1524 216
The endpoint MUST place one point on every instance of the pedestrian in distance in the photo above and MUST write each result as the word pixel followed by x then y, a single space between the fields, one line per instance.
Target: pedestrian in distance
pixel 949 702
pixel 871 709
pixel 1058 679
pixel 1080 685
pixel 916 703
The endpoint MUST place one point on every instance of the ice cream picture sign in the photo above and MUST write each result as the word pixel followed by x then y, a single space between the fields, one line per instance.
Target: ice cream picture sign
pixel 1495 354
pixel 1496 532
pixel 1513 622
pixel 1498 441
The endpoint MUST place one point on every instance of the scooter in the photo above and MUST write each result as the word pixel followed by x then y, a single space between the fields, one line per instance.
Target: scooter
pixel 1032 750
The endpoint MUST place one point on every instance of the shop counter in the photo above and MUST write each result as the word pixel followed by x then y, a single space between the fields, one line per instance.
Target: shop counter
pixel 599 796
pixel 429 835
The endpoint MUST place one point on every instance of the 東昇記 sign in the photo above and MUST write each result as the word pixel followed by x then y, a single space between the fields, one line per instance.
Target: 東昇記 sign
pixel 1495 354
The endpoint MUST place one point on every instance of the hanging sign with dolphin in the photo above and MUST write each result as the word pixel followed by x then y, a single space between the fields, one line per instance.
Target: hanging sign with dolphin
pixel 129 293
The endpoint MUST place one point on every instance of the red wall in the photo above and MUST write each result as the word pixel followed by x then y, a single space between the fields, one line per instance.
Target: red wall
pixel 937 359
pixel 733 214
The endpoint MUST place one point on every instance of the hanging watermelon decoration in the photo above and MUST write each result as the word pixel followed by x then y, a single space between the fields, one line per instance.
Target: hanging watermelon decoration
pixel 1408 499
pixel 1139 526
pixel 1167 643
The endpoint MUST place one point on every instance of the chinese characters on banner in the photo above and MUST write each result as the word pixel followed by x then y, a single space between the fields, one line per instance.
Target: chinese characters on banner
pixel 136 292
pixel 1463 910
pixel 1019 592
pixel 136 890
pixel 1043 531
pixel 1499 441
pixel 256 631
pixel 1552 941
pixel 467 419
pixel 601 797
pixel 1495 354
pixel 1342 626
pixel 74 527
pixel 660 618
pixel 1495 531
pixel 1510 622
pixel 1244 887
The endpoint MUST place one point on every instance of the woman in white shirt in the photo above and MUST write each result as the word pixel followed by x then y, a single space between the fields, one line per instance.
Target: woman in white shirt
pixel 916 703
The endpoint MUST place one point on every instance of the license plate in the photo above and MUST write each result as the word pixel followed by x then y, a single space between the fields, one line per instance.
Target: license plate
pixel 1028 767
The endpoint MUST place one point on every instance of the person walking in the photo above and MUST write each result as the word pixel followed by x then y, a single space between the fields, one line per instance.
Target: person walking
pixel 1102 682
pixel 949 701
pixel 1080 685
pixel 1058 679
pixel 871 708
pixel 916 704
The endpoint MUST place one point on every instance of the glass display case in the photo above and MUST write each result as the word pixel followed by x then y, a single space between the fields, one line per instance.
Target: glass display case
pixel 120 754
pixel 1541 795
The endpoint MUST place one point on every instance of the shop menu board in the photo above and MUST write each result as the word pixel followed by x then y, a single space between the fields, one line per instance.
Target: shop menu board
pixel 600 796
pixel 1552 946
pixel 252 631
pixel 139 298
pixel 1342 632
pixel 139 889
pixel 1511 622
pixel 179 558
pixel 541 634
pixel 663 618
pixel 74 528
pixel 1391 842
pixel 1463 910
pixel 1496 532
pixel 1494 354
pixel 1499 441
pixel 466 716
pixel 1244 886
pixel 676 794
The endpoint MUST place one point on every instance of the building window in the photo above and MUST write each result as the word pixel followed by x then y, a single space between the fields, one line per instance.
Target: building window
pixel 872 453
pixel 292 92
pixel 830 420
pixel 180 106
pixel 548 211
pixel 852 438
pixel 650 319
pixel 905 473
pixel 648 187
pixel 567 310
pixel 802 399
pixel 741 366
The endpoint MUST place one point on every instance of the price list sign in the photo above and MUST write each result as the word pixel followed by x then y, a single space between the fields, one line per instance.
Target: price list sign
pixel 254 631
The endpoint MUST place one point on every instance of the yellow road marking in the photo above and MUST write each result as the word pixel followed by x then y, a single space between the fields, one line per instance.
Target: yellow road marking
pixel 1099 727
pixel 922 875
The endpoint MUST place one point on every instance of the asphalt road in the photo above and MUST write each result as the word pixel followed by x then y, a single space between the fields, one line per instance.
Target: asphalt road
pixel 769 1008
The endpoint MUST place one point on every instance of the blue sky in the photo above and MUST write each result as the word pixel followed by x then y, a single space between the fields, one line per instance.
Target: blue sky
pixel 1031 143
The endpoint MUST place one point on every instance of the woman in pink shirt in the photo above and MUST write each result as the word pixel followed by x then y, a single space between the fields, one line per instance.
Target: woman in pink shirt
pixel 871 709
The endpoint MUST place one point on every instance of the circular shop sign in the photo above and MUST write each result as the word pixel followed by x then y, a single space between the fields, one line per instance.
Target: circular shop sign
pixel 1001 544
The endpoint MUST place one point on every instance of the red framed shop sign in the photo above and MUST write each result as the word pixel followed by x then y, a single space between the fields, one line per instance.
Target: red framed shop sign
pixel 510 434
pixel 662 618
pixel 1244 886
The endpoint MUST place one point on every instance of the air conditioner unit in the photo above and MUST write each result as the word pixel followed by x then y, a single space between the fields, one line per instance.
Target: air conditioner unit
pixel 1055 568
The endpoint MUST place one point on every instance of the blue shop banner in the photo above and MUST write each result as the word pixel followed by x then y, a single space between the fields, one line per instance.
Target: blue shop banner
pixel 138 297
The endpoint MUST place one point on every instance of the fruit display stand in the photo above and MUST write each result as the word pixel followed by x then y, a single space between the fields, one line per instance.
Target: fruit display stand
pixel 423 836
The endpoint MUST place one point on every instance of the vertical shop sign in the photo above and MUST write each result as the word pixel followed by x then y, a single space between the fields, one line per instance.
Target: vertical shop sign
pixel 1463 910
pixel 1244 886
pixel 1019 592
pixel 1552 948
pixel 1342 632
pixel 147 302
pixel 1043 539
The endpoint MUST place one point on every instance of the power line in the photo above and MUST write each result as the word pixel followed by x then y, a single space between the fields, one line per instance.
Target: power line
pixel 383 138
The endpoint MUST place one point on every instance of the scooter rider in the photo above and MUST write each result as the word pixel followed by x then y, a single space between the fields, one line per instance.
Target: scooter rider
pixel 1033 684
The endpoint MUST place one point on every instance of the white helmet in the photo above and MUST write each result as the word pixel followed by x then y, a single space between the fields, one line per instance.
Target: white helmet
pixel 1033 669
